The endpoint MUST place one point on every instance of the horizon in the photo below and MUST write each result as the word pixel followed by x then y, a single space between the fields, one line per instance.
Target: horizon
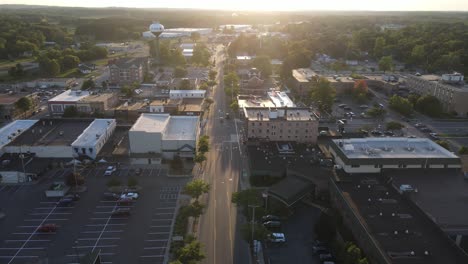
pixel 246 6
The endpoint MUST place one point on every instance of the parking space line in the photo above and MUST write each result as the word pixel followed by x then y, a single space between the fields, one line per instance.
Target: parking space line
pixel 31 240
pixel 105 218
pixel 50 213
pixel 101 254
pixel 160 226
pixel 32 233
pixel 163 213
pixel 19 256
pixel 26 248
pixel 48 202
pixel 165 219
pixel 107 231
pixel 102 212
pixel 52 219
pixel 102 238
pixel 152 256
pixel 156 240
pixel 108 225
pixel 165 208
pixel 101 246
pixel 147 248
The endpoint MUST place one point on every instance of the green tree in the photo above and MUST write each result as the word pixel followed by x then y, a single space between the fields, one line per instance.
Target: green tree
pixel 70 62
pixel 338 66
pixel 16 71
pixel 413 98
pixel 70 111
pixel 260 232
pixel 180 72
pixel 199 158
pixel 379 47
pixel 263 63
pixel 196 188
pixel 444 144
pixel 401 105
pixel 203 144
pixel 429 105
pixel 393 125
pixel 201 55
pixel 418 55
pixel 246 197
pixel 24 104
pixel 360 91
pixel 195 36
pixel 203 86
pixel 323 94
pixel 463 150
pixel 191 253
pixel 212 74
pixel 88 84
pixel 185 84
pixel 234 106
pixel 231 80
pixel 386 63
pixel 127 90
pixel 211 83
pixel 376 112
pixel 104 85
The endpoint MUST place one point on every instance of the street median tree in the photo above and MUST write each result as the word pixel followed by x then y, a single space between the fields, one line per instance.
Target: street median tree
pixel 196 188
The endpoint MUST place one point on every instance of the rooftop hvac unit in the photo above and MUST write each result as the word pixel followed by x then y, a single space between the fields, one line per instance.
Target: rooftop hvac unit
pixel 61 133
pixel 98 136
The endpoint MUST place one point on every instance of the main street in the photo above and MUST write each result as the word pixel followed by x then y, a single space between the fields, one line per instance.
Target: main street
pixel 219 226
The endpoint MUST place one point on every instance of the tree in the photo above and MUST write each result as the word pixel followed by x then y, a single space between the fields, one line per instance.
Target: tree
pixel 338 66
pixel 401 105
pixel 413 98
pixel 203 144
pixel 247 197
pixel 260 232
pixel 322 93
pixel 70 111
pixel 393 125
pixel 386 63
pixel 199 158
pixel 234 106
pixel 24 104
pixel 379 47
pixel 212 74
pixel 376 112
pixel 16 71
pixel 263 63
pixel 463 150
pixel 195 36
pixel 70 62
pixel 211 83
pixel 360 91
pixel 429 105
pixel 444 144
pixel 185 84
pixel 104 85
pixel 231 80
pixel 191 253
pixel 196 188
pixel 203 86
pixel 88 84
pixel 126 90
pixel 201 55
pixel 180 72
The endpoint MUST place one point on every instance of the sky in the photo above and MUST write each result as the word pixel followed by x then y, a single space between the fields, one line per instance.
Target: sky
pixel 262 5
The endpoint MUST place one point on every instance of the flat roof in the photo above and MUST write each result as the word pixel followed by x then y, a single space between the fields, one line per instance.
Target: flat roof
pixel 70 96
pixel 391 148
pixel 7 131
pixel 303 74
pixel 244 57
pixel 191 104
pixel 97 97
pixel 172 127
pixel 289 114
pixel 90 134
pixel 187 91
pixel 281 99
pixel 254 101
pixel 52 132
pixel 369 197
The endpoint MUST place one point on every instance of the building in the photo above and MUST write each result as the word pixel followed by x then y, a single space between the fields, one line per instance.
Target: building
pixel 97 103
pixel 52 83
pixel 156 136
pixel 449 89
pixel 179 94
pixel 184 106
pixel 8 109
pixel 280 99
pixel 93 138
pixel 281 124
pixel 301 80
pixel 11 131
pixel 58 104
pixel 21 168
pixel 373 155
pixel 53 138
pixel 128 70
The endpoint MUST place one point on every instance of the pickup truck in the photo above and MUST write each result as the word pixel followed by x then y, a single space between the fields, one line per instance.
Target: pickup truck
pixel 57 189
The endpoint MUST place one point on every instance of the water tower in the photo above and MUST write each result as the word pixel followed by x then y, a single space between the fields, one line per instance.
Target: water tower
pixel 157 29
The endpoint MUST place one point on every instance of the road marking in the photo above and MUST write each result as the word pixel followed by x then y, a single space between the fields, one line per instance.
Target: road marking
pixel 51 219
pixel 102 231
pixel 102 238
pixel 101 254
pixel 26 248
pixel 152 256
pixel 156 240
pixel 31 240
pixel 162 219
pixel 106 231
pixel 104 218
pixel 108 225
pixel 165 208
pixel 50 213
pixel 164 213
pixel 32 233
pixel 19 256
pixel 158 233
pixel 101 246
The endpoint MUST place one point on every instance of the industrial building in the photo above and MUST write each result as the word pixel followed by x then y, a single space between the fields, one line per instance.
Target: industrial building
pixel 11 131
pixel 372 155
pixel 60 138
pixel 157 136
pixel 59 103
pixel 281 124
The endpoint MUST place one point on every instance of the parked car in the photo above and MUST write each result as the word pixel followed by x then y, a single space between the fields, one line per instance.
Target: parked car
pixel 65 202
pixel 267 218
pixel 323 133
pixel 326 163
pixel 271 224
pixel 277 238
pixel 389 133
pixel 74 196
pixel 121 212
pixel 109 171
pixel 124 201
pixel 129 195
pixel 342 105
pixel 364 106
pixel 434 136
pixel 111 196
pixel 344 121
pixel 47 228
pixel 419 125
pixel 407 188
pixel 364 132
pixel 347 108
pixel 317 250
pixel 376 133
pixel 425 129
pixel 130 190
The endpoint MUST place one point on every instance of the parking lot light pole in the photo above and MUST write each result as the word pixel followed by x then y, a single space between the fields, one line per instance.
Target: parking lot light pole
pixel 253 220
pixel 76 252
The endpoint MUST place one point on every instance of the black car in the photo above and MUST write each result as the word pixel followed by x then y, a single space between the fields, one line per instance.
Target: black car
pixel 320 250
pixel 376 133
pixel 347 108
pixel 65 202
pixel 267 218
pixel 111 196
pixel 389 133
pixel 271 224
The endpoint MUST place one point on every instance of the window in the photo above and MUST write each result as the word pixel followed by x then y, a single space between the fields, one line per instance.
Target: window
pixel 355 166
pixel 90 150
pixel 83 150
pixel 268 130
pixel 76 150
pixel 253 130
pixel 401 165
pixel 253 123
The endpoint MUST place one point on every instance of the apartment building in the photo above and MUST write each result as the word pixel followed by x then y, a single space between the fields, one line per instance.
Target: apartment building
pixel 281 124
pixel 127 70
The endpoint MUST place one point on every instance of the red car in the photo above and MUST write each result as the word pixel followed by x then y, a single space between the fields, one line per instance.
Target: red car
pixel 47 228
pixel 125 201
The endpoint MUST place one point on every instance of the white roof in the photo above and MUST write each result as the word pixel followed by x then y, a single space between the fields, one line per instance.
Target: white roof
pixel 93 132
pixel 12 128
pixel 392 148
pixel 172 127
pixel 280 99
pixel 70 96
pixel 244 57
pixel 187 91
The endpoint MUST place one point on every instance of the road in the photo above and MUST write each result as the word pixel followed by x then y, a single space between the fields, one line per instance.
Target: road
pixel 219 225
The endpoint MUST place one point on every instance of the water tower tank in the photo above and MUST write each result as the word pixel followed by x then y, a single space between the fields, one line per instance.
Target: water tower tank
pixel 156 28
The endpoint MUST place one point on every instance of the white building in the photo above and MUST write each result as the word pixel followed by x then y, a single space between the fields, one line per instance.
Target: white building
pixel 280 99
pixel 372 155
pixel 11 131
pixel 179 94
pixel 93 138
pixel 66 99
pixel 155 136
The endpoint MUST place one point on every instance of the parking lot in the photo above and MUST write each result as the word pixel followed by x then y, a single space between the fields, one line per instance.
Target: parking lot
pixel 89 224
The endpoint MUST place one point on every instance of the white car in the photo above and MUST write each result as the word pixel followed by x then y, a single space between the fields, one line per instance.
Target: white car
pixel 110 170
pixel 277 238
pixel 407 188
pixel 130 195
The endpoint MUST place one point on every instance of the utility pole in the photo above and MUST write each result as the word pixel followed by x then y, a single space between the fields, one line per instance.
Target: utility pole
pixel 253 220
